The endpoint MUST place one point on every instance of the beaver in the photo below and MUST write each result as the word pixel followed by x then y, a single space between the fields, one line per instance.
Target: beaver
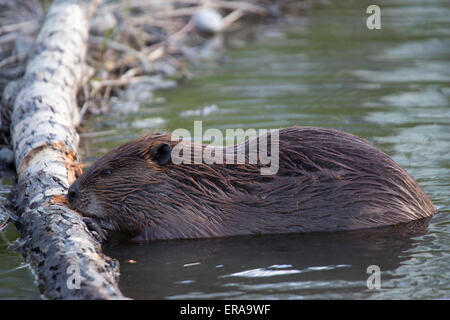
pixel 327 180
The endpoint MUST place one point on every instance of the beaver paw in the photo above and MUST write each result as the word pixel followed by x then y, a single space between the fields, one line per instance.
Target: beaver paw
pixel 100 234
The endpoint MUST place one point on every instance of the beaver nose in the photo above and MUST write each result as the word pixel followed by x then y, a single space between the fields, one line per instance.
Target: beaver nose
pixel 73 193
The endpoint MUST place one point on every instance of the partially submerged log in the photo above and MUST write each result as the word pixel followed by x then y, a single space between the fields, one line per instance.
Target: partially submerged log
pixel 66 258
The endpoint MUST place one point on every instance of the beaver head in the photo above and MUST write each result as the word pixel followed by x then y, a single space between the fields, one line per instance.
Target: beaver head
pixel 139 190
pixel 122 186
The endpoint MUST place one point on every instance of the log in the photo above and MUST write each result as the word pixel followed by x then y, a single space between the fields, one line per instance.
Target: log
pixel 65 256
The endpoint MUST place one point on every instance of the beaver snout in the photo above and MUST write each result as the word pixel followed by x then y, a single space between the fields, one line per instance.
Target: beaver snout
pixel 73 194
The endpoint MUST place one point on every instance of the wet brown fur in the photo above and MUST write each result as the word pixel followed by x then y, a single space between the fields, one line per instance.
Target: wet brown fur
pixel 327 181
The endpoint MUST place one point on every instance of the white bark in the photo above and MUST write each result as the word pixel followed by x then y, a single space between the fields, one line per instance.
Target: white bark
pixel 66 258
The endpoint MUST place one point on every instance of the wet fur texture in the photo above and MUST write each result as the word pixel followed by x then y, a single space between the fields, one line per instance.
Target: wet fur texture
pixel 327 181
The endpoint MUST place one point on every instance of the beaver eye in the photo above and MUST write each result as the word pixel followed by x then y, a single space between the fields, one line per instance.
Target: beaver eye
pixel 106 172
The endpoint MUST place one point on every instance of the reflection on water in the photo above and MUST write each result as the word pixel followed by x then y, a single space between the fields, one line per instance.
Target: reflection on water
pixel 16 281
pixel 296 266
pixel 390 86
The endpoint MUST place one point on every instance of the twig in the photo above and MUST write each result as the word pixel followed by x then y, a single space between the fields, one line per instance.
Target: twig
pixel 21 26
pixel 234 5
pixel 25 29
pixel 172 38
pixel 232 17
pixel 9 37
pixel 97 85
pixel 182 32
pixel 178 12
pixel 144 20
pixel 121 47
pixel 12 59
pixel 5 223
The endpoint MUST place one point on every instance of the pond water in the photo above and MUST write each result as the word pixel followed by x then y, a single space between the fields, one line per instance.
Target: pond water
pixel 326 69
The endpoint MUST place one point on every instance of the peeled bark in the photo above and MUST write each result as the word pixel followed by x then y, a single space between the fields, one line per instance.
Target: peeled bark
pixel 66 258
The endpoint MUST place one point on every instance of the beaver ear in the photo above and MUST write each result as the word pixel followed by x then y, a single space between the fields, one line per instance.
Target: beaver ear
pixel 161 153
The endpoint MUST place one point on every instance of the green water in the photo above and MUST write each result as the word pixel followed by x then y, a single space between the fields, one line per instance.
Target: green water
pixel 389 86
pixel 16 280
